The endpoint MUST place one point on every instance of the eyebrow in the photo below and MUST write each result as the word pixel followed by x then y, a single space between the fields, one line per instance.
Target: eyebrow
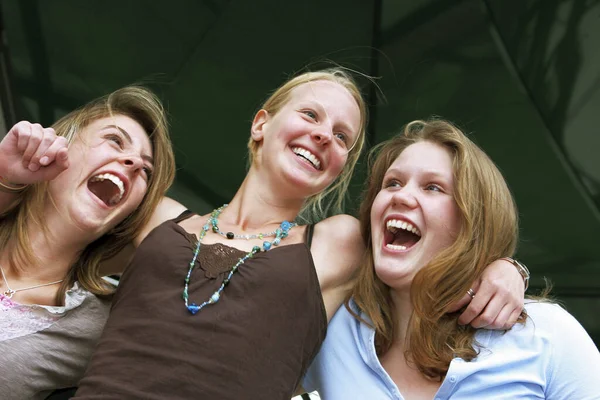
pixel 429 173
pixel 128 137
pixel 345 127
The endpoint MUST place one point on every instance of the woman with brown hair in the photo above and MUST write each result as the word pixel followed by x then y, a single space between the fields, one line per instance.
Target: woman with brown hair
pixel 435 213
pixel 54 234
pixel 235 304
pixel 207 309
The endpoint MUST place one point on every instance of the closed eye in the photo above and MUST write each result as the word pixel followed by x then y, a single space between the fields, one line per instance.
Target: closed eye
pixel 113 137
pixel 148 171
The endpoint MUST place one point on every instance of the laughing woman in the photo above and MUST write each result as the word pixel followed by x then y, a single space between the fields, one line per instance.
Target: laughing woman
pixel 54 234
pixel 235 304
pixel 395 338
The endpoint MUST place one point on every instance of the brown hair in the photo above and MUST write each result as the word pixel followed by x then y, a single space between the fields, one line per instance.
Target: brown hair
pixel 489 230
pixel 141 105
pixel 331 200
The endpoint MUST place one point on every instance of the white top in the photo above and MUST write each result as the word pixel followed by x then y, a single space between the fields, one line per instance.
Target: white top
pixel 550 357
pixel 43 348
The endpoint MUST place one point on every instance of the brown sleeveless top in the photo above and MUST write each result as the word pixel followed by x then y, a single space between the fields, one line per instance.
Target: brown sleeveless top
pixel 256 342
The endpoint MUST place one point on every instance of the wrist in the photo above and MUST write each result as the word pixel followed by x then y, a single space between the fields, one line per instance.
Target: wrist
pixel 11 187
pixel 521 268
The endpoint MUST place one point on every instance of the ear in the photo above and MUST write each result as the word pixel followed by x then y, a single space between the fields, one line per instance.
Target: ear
pixel 261 120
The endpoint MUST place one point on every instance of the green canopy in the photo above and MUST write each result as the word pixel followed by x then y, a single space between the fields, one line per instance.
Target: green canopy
pixel 522 76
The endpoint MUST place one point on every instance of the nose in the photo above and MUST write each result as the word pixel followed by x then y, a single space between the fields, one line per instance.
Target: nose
pixel 133 161
pixel 322 135
pixel 405 197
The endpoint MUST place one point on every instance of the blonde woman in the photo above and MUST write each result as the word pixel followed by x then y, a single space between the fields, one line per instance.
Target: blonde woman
pixel 235 304
pixel 54 234
pixel 395 337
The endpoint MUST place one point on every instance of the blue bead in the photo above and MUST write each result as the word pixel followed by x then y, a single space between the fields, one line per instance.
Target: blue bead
pixel 285 225
pixel 266 246
pixel 276 241
pixel 193 308
pixel 215 297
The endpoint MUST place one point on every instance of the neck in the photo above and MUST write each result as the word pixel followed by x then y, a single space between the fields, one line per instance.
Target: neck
pixel 54 250
pixel 403 310
pixel 257 204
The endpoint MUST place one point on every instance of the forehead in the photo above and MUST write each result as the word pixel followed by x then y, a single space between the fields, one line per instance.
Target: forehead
pixel 423 157
pixel 120 123
pixel 332 96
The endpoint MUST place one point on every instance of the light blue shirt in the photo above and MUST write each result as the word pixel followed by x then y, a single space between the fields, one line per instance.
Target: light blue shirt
pixel 550 357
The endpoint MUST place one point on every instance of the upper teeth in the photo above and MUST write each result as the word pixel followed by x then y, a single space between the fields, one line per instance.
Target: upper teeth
pixel 395 224
pixel 114 179
pixel 308 155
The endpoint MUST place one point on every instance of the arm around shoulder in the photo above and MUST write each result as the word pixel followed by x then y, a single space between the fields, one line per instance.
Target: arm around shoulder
pixel 338 249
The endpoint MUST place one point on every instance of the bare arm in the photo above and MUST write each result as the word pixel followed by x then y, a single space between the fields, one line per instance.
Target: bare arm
pixel 337 249
pixel 499 298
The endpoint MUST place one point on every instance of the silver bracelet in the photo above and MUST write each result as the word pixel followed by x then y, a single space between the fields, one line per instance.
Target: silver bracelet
pixel 523 270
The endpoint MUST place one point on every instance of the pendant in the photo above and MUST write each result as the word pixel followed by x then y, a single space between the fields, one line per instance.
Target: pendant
pixel 9 293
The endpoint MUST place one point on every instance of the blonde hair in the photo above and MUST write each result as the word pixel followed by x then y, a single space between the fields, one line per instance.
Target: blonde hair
pixel 331 200
pixel 489 230
pixel 141 105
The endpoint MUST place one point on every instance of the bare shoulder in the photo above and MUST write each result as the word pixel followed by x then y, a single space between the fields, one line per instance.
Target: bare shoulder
pixel 343 229
pixel 337 249
pixel 167 209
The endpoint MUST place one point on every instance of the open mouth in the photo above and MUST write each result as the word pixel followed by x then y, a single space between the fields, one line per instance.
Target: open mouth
pixel 107 187
pixel 401 235
pixel 308 156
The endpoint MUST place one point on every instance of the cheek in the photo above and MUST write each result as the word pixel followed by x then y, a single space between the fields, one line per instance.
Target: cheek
pixel 377 210
pixel 338 162
pixel 137 194
pixel 453 218
pixel 446 221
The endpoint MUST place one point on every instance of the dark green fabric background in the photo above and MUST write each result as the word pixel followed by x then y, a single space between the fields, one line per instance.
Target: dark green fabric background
pixel 522 75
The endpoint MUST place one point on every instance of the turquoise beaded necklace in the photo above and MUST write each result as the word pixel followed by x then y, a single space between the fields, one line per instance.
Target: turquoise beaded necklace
pixel 213 222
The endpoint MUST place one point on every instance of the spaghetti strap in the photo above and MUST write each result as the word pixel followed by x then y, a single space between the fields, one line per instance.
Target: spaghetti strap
pixel 308 235
pixel 183 216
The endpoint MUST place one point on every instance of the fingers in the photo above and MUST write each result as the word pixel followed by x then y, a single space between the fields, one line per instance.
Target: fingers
pixel 60 163
pixel 56 152
pixel 512 319
pixel 466 299
pixel 40 146
pixel 39 142
pixel 460 304
pixel 493 307
pixel 476 306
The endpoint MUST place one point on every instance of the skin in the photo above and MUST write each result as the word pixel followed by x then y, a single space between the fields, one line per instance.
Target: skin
pixel 321 117
pixel 419 191
pixel 77 216
pixel 418 187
